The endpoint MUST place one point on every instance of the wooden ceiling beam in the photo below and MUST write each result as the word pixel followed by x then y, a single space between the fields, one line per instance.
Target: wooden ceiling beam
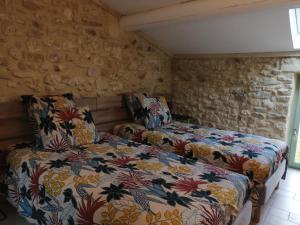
pixel 197 9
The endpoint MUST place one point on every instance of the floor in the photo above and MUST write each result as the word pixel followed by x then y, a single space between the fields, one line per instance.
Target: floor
pixel 282 209
pixel 284 206
pixel 12 217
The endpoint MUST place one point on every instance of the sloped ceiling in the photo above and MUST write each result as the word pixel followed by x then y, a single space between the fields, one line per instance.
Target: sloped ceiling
pixel 264 31
pixel 257 31
pixel 126 7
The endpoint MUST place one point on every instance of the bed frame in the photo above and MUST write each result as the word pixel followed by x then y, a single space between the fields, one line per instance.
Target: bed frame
pixel 107 112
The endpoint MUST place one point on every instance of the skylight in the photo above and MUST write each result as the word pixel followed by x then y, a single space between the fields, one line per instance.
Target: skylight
pixel 295 27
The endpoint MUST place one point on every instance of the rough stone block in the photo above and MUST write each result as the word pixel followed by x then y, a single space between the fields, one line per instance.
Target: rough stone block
pixel 31 4
pixel 285 99
pixel 285 77
pixel 286 92
pixel 291 68
pixel 4 73
pixel 276 116
pixel 268 82
pixel 260 116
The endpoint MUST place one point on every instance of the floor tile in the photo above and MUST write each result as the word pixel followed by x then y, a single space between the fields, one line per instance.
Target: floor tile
pixel 292 180
pixel 285 203
pixel 12 217
pixel 294 218
pixel 297 197
pixel 282 214
pixel 273 220
pixel 286 193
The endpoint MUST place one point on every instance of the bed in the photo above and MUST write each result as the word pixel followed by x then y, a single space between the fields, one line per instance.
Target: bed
pixel 262 159
pixel 117 181
pixel 114 181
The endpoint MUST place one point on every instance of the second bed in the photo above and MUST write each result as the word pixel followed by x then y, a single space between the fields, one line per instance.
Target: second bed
pixel 262 159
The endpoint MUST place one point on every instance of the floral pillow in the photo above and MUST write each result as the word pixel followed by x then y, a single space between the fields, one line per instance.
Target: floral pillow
pixel 157 112
pixel 135 108
pixel 61 129
pixel 42 105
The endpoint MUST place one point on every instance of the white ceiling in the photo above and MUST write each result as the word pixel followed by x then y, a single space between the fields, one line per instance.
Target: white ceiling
pixel 263 31
pixel 259 31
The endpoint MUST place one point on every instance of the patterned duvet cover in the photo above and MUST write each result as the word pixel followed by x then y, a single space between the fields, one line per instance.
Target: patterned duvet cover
pixel 255 156
pixel 121 182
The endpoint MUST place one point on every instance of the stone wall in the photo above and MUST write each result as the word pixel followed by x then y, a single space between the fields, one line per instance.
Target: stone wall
pixel 55 46
pixel 246 94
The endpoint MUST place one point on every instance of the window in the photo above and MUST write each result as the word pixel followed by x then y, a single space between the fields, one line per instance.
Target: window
pixel 297 13
pixel 295 26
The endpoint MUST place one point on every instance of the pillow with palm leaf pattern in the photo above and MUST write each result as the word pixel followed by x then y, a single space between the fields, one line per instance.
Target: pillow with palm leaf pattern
pixel 157 112
pixel 133 103
pixel 62 129
pixel 42 105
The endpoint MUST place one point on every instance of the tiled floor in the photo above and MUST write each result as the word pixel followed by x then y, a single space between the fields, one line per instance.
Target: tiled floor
pixel 284 206
pixel 282 209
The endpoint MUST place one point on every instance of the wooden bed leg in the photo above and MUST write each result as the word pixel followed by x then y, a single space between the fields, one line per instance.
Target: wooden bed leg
pixel 277 187
pixel 256 214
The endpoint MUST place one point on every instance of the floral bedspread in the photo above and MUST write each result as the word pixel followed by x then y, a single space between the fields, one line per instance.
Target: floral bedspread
pixel 118 181
pixel 255 156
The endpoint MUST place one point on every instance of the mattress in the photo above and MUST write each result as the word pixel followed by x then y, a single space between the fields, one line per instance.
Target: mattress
pixel 255 156
pixel 118 181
